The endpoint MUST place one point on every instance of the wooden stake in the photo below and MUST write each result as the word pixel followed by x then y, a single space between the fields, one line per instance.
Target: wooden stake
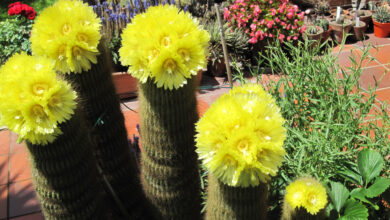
pixel 225 52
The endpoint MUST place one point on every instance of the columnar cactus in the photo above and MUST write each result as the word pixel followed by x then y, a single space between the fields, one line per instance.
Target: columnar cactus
pixel 165 48
pixel 68 33
pixel 42 110
pixel 240 141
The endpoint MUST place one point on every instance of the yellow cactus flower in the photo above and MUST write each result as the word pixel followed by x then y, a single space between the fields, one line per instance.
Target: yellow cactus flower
pixel 240 138
pixel 164 45
pixel 308 193
pixel 32 100
pixel 67 32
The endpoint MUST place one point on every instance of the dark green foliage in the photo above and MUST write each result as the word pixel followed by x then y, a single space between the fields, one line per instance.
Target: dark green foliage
pixel 170 172
pixel 226 202
pixel 14 37
pixel 105 122
pixel 65 176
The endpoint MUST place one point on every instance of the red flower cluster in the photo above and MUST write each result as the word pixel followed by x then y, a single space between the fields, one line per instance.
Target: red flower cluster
pixel 17 8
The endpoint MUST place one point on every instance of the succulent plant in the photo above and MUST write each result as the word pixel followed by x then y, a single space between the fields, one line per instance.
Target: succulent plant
pixel 312 30
pixel 322 7
pixel 382 15
pixel 324 23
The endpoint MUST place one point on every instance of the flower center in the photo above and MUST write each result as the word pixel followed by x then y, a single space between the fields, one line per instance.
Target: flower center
pixel 185 54
pixel 169 65
pixel 66 29
pixel 61 52
pixel 39 88
pixel 82 37
pixel 165 41
pixel 37 111
pixel 76 51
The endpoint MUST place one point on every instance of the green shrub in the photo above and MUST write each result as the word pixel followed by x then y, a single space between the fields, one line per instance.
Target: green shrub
pixel 14 37
pixel 325 112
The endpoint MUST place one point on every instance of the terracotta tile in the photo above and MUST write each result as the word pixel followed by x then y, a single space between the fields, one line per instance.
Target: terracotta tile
pixel 15 147
pixel 3 201
pixel 356 54
pixel 372 74
pixel 19 167
pixel 345 48
pixel 383 95
pixel 383 55
pixel 3 169
pixel 4 141
pixel 36 216
pixel 22 199
pixel 131 121
pixel 202 107
pixel 371 39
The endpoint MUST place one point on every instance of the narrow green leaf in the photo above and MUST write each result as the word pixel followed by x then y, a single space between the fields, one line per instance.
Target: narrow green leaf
pixel 352 175
pixel 370 164
pixel 379 186
pixel 338 194
pixel 354 210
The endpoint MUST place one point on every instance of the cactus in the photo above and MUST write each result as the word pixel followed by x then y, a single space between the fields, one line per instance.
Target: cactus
pixel 324 23
pixel 382 15
pixel 170 173
pixel 105 122
pixel 312 30
pixel 65 176
pixel 322 7
pixel 240 203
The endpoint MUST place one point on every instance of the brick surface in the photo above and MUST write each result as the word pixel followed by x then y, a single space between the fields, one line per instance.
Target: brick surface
pixel 4 142
pixel 22 199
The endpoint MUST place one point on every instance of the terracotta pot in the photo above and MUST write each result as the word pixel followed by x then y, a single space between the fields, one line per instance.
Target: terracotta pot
pixel 381 29
pixel 326 34
pixel 340 29
pixel 367 18
pixel 125 85
pixel 317 36
pixel 359 31
pixel 218 68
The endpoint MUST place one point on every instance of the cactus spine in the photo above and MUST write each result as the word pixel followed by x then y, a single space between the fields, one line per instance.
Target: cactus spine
pixel 228 202
pixel 65 175
pixel 170 174
pixel 108 133
pixel 289 213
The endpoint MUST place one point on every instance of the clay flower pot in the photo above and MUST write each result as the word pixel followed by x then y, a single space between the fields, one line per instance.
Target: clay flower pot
pixel 366 17
pixel 125 84
pixel 359 31
pixel 316 36
pixel 381 29
pixel 340 29
pixel 326 34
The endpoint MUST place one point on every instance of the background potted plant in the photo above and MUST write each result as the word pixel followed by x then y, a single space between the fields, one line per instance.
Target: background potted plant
pixel 381 19
pixel 340 26
pixel 359 30
pixel 314 32
pixel 324 23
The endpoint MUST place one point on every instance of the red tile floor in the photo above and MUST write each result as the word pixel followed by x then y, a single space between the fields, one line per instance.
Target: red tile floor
pixel 17 197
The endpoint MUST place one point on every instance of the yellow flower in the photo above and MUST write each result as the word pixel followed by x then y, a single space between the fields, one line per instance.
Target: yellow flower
pixel 240 137
pixel 68 33
pixel 308 193
pixel 164 45
pixel 32 100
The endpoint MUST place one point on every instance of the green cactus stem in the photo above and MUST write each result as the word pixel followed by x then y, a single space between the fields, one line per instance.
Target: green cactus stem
pixel 65 176
pixel 105 122
pixel 170 173
pixel 289 213
pixel 240 203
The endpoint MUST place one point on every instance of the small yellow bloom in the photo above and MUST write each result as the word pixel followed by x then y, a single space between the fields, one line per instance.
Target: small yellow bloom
pixel 308 193
pixel 240 138
pixel 168 50
pixel 68 33
pixel 32 100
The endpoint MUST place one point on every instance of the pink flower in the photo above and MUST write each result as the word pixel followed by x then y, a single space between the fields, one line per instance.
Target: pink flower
pixel 281 37
pixel 226 13
pixel 253 27
pixel 270 23
pixel 288 38
pixel 295 38
pixel 253 40
pixel 273 11
pixel 295 7
pixel 290 15
pixel 262 21
pixel 270 35
pixel 277 20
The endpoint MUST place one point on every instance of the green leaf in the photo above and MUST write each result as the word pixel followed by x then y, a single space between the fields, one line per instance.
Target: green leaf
pixel 354 210
pixel 370 164
pixel 338 194
pixel 379 186
pixel 352 175
pixel 360 194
